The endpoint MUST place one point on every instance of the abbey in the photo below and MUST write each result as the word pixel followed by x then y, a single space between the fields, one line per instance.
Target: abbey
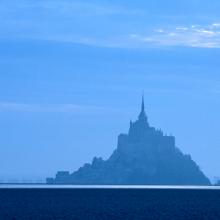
pixel 144 156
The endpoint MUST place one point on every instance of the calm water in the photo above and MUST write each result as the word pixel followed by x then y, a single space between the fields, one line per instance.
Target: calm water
pixel 109 203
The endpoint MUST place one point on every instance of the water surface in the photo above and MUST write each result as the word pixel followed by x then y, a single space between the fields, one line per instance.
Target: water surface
pixel 108 202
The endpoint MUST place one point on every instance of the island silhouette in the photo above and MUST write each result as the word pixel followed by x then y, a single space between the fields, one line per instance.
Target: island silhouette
pixel 144 156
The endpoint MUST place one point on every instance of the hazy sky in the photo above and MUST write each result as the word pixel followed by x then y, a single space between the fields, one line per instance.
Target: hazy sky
pixel 72 73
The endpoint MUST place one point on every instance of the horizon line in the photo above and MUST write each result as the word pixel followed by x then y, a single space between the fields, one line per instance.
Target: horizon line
pixel 47 186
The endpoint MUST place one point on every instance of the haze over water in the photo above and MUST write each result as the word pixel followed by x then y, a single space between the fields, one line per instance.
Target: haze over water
pixel 72 73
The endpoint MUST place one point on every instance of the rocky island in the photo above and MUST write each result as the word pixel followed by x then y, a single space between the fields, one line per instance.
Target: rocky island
pixel 144 156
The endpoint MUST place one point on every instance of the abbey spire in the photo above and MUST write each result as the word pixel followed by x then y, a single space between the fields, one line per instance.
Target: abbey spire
pixel 142 115
pixel 142 104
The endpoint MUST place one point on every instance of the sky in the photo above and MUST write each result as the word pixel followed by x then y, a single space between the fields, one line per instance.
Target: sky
pixel 72 73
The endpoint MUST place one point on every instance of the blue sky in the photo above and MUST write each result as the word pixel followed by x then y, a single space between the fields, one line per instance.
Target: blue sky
pixel 72 74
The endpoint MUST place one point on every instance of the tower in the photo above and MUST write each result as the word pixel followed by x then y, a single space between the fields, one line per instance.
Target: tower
pixel 139 128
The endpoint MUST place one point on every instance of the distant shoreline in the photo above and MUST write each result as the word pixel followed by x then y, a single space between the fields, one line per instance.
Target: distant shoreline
pixel 47 186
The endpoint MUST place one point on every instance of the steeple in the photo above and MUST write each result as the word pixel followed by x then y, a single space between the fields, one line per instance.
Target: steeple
pixel 139 127
pixel 142 115
pixel 142 105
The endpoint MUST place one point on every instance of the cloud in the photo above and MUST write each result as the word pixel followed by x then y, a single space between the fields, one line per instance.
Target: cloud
pixel 74 21
pixel 68 7
pixel 185 36
pixel 100 23
pixel 191 36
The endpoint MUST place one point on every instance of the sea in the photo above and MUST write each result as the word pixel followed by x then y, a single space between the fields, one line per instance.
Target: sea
pixel 109 202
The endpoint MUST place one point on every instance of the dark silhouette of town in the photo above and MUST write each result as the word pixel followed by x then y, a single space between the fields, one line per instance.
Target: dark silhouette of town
pixel 144 156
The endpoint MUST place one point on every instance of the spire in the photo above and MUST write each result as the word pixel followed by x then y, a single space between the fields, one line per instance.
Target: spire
pixel 140 126
pixel 142 115
pixel 142 105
